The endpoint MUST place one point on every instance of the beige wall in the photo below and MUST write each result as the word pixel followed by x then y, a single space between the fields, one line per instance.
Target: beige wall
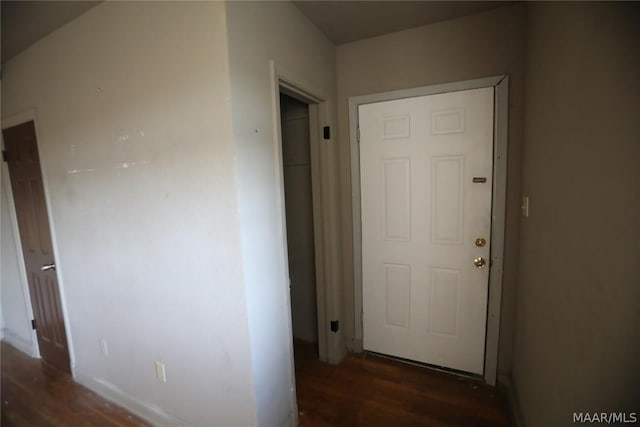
pixel 482 45
pixel 578 329
pixel 260 32
pixel 134 130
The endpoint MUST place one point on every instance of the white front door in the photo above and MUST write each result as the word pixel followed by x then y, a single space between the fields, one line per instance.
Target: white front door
pixel 426 187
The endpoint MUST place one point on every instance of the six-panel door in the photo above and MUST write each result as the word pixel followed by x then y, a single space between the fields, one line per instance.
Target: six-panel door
pixel 426 186
pixel 35 236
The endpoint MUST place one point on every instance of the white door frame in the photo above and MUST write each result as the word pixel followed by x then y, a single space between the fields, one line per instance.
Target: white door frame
pixel 283 80
pixel 500 142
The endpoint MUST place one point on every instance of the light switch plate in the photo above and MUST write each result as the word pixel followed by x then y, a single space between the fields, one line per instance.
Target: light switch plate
pixel 525 206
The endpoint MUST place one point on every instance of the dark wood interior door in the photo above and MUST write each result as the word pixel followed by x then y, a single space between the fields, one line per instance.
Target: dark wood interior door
pixel 35 235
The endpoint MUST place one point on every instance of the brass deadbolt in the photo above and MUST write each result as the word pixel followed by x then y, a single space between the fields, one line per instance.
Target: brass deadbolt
pixel 480 242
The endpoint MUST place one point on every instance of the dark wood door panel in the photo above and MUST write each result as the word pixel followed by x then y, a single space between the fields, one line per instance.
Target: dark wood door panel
pixel 35 236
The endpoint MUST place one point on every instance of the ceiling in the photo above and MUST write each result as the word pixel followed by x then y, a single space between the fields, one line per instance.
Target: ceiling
pixel 26 22
pixel 347 21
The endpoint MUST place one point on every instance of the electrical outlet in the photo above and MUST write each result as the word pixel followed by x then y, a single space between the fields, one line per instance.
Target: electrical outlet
pixel 161 374
pixel 104 348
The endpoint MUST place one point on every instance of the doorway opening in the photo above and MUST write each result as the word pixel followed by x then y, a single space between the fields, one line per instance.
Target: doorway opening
pixel 301 244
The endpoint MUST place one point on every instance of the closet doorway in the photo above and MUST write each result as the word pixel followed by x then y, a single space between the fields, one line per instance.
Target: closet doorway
pixel 298 191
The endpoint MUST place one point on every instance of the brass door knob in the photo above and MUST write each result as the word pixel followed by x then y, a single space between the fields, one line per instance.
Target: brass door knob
pixel 480 242
pixel 479 262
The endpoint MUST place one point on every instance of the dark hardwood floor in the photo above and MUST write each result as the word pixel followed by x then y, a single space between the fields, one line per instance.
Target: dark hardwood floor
pixel 35 394
pixel 375 391
pixel 370 391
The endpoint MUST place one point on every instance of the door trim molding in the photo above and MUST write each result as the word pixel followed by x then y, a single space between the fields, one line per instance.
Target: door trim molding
pixel 323 184
pixel 498 212
pixel 283 81
pixel 14 120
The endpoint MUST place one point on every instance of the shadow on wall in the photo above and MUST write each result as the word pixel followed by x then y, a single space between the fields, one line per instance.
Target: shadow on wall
pixel 578 341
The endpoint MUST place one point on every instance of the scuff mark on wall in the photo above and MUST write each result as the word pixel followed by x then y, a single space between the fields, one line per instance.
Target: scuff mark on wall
pixel 74 171
pixel 129 137
pixel 127 165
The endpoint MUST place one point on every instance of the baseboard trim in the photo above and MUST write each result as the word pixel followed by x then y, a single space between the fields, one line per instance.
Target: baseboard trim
pixel 152 413
pixel 515 410
pixel 15 340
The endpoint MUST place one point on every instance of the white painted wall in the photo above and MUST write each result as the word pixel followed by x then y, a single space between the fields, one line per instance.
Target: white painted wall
pixel 260 32
pixel 134 127
pixel 16 312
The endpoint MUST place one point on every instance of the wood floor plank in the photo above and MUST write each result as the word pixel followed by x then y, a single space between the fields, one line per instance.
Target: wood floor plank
pixel 375 391
pixel 36 394
pixel 370 391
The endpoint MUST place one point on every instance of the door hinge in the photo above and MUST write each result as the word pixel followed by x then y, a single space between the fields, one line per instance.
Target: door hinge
pixel 33 324
pixel 358 134
pixel 335 325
